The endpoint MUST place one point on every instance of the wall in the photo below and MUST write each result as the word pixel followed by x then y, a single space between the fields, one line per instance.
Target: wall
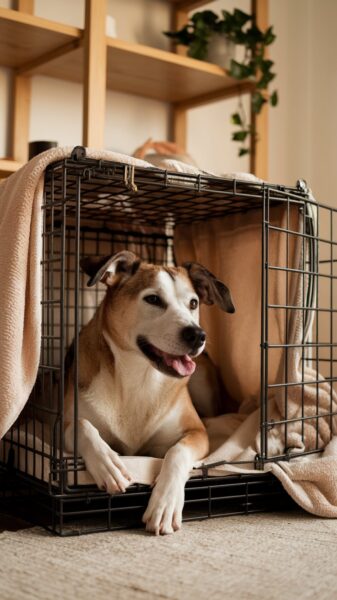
pixel 323 100
pixel 303 128
pixel 289 152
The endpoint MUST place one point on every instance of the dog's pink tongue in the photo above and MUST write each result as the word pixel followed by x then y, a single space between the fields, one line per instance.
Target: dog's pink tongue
pixel 184 365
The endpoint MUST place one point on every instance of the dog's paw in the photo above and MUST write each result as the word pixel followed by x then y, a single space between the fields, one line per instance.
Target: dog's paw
pixel 108 470
pixel 164 512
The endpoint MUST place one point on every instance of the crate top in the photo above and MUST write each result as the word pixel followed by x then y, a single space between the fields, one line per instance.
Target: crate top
pixel 115 190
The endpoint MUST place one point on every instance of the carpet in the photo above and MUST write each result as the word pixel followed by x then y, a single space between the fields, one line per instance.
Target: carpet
pixel 257 557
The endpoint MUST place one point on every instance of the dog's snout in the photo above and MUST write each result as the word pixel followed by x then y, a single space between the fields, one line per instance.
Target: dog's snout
pixel 194 336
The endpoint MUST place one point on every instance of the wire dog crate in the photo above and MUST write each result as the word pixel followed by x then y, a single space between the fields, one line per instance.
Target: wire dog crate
pixel 97 208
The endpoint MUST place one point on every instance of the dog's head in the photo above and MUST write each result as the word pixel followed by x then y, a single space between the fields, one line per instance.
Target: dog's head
pixel 155 310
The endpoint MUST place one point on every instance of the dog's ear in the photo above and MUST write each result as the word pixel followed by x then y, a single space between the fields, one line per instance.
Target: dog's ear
pixel 209 289
pixel 105 268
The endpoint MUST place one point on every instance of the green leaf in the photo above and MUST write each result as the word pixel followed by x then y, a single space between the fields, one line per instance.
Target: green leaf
pixel 244 151
pixel 239 136
pixel 265 79
pixel 205 17
pixel 198 49
pixel 240 71
pixel 269 36
pixel 254 36
pixel 227 16
pixel 274 98
pixel 241 18
pixel 236 119
pixel 239 37
pixel 184 36
pixel 266 65
pixel 224 27
pixel 257 102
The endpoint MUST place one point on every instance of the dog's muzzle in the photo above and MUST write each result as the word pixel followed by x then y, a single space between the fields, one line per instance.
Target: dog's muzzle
pixel 175 365
pixel 194 337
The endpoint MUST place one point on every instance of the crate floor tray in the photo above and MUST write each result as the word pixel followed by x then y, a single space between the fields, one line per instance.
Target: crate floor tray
pixel 91 512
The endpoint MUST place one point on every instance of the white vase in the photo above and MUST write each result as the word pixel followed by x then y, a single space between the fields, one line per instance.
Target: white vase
pixel 221 50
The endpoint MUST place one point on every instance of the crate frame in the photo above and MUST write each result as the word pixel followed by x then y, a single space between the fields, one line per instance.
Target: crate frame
pixel 76 187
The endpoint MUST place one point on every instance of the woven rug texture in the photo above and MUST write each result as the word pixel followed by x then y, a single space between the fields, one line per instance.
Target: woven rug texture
pixel 284 556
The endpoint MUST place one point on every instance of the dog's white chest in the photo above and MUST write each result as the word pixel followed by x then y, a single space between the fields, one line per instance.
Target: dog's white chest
pixel 125 413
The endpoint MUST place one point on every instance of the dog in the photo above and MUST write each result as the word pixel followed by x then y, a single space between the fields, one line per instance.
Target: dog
pixel 135 358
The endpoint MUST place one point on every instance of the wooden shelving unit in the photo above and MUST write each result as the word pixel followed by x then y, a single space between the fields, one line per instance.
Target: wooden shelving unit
pixel 163 75
pixel 8 166
pixel 34 46
pixel 25 38
pixel 144 71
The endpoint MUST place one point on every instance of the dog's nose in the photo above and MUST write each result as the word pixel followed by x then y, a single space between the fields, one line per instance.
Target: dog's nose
pixel 194 336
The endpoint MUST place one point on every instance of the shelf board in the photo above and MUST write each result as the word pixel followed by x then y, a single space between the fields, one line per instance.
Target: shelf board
pixel 145 71
pixel 8 166
pixel 161 75
pixel 189 4
pixel 25 38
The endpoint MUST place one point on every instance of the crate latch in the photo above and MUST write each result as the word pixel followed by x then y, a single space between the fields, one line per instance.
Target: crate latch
pixel 129 178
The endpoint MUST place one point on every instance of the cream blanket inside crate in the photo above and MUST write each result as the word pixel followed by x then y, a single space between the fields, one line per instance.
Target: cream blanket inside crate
pixel 311 481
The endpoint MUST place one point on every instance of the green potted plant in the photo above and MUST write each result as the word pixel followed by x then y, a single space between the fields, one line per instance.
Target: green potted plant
pixel 202 36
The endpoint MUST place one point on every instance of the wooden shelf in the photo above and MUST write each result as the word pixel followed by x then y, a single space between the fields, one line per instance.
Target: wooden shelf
pixel 165 76
pixel 190 4
pixel 149 72
pixel 25 38
pixel 8 166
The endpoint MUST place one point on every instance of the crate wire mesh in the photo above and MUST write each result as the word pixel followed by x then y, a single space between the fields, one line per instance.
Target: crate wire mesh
pixel 308 304
pixel 98 208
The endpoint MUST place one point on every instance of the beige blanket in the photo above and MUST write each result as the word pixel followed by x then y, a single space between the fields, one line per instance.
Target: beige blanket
pixel 21 198
pixel 234 344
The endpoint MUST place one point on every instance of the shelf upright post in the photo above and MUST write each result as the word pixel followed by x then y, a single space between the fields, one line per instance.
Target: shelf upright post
pixel 259 146
pixel 179 113
pixel 21 104
pixel 95 75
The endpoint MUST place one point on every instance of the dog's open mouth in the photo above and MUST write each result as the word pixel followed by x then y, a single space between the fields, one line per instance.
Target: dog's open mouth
pixel 171 364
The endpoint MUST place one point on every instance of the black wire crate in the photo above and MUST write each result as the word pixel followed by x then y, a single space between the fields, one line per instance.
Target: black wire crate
pixel 98 208
pixel 92 511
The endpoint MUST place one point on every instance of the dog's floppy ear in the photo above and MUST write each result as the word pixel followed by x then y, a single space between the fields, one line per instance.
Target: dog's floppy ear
pixel 209 289
pixel 105 268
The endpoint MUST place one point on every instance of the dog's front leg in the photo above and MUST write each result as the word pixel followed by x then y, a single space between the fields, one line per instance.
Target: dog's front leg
pixel 164 512
pixel 103 463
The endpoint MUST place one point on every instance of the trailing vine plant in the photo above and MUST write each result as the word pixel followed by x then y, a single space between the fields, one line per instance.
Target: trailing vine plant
pixel 240 28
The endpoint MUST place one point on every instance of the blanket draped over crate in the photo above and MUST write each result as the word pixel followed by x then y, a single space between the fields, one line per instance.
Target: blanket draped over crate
pixel 233 343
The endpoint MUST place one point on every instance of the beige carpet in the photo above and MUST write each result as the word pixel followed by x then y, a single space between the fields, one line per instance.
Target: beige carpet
pixel 269 556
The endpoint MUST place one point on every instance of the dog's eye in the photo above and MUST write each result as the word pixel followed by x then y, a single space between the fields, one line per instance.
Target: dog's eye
pixel 193 304
pixel 153 299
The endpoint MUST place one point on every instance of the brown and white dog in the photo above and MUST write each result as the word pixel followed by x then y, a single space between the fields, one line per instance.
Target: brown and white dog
pixel 135 358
